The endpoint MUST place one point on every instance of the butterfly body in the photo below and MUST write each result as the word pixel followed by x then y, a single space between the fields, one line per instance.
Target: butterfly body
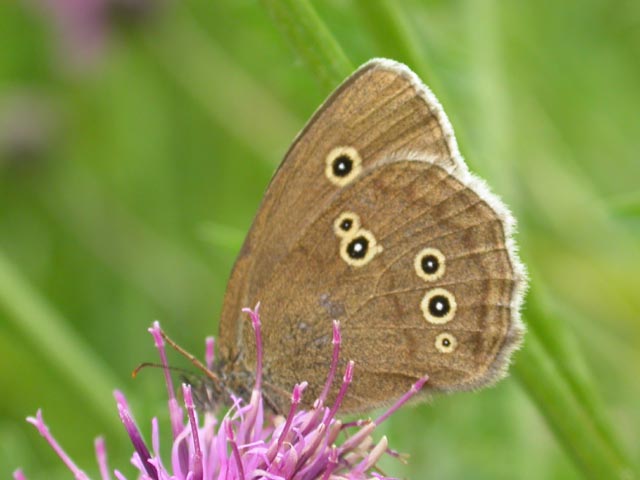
pixel 374 220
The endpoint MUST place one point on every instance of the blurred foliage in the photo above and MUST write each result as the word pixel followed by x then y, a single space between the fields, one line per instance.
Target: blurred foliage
pixel 130 170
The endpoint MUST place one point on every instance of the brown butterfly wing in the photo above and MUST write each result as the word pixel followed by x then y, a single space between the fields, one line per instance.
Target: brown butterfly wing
pixel 381 110
pixel 412 192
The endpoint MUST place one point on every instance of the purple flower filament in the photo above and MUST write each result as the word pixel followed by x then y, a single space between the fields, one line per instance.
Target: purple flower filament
pixel 243 445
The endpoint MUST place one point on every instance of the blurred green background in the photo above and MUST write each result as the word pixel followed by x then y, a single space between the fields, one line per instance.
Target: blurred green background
pixel 136 140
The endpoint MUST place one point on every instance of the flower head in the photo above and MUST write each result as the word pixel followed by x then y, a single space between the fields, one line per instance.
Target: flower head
pixel 248 442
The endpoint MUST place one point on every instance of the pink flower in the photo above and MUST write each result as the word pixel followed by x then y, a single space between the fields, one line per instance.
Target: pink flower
pixel 245 443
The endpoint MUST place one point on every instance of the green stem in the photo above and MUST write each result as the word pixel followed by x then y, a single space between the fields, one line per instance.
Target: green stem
pixel 564 414
pixel 187 55
pixel 566 358
pixel 394 34
pixel 311 40
pixel 58 344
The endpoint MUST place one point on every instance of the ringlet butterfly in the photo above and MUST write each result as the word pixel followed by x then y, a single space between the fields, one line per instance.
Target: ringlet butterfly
pixel 374 219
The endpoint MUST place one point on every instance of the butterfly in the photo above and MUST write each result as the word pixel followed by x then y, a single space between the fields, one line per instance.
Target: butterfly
pixel 374 219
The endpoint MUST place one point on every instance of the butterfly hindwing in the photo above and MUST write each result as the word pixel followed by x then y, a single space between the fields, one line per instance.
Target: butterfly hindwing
pixel 386 330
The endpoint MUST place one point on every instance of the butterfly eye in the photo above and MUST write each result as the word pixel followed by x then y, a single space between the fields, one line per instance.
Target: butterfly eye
pixel 343 165
pixel 429 264
pixel 438 306
pixel 446 343
pixel 346 224
pixel 358 249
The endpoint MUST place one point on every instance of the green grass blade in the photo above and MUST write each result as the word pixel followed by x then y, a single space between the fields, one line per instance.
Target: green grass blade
pixel 573 428
pixel 394 35
pixel 311 40
pixel 58 344
pixel 555 340
pixel 192 59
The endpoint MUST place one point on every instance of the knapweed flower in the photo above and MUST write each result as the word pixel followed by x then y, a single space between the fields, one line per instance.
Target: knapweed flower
pixel 248 442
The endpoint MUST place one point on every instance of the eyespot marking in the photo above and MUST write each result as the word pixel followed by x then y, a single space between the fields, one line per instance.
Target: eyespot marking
pixel 346 224
pixel 343 165
pixel 360 248
pixel 438 306
pixel 446 343
pixel 429 264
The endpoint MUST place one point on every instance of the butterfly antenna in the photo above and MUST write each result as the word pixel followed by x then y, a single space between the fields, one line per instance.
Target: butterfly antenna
pixel 196 363
pixel 136 370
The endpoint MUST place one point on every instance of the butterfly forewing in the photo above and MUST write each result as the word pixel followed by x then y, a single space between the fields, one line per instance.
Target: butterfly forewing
pixel 385 330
